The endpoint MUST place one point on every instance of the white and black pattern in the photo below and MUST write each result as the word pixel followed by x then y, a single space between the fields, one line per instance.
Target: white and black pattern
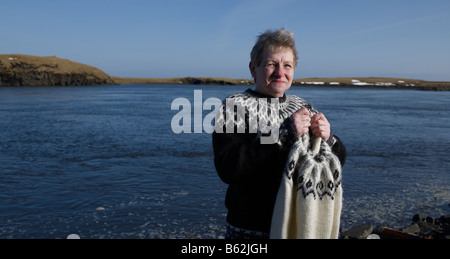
pixel 247 112
pixel 309 200
pixel 316 170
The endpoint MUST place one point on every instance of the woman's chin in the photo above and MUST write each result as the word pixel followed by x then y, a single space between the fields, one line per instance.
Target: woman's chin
pixel 278 89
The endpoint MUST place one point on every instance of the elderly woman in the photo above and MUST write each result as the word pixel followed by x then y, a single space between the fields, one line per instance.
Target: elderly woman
pixel 254 170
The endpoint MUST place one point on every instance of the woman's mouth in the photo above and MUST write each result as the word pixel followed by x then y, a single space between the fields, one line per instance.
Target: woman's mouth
pixel 277 81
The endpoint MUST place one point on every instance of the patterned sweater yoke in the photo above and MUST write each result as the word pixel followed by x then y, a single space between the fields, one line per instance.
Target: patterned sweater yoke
pixel 238 111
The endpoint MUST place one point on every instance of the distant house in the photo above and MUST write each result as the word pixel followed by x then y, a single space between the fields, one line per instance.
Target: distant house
pixel 315 83
pixel 361 83
pixel 384 84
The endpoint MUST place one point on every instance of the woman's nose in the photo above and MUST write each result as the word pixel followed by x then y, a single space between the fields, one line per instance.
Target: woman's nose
pixel 278 72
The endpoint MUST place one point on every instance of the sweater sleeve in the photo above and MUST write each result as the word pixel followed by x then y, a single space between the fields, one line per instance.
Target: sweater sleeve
pixel 338 148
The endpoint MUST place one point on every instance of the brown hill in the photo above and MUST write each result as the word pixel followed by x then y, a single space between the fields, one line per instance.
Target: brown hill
pixel 25 70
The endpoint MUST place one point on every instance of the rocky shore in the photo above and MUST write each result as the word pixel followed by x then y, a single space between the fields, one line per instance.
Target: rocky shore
pixel 421 227
pixel 25 70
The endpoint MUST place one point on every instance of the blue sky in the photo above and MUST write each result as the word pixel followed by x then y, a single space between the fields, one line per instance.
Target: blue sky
pixel 213 38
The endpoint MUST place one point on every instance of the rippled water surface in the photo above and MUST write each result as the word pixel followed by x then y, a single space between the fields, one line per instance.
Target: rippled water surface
pixel 103 162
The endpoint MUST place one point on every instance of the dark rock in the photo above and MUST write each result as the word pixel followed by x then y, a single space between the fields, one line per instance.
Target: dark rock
pixel 445 219
pixel 411 229
pixel 424 218
pixel 422 227
pixel 359 232
pixel 419 217
pixel 426 228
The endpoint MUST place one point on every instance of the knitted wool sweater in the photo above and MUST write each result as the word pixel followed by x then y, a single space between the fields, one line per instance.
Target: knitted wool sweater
pixel 309 200
pixel 254 171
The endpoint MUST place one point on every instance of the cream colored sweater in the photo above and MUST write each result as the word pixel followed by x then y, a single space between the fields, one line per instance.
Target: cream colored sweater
pixel 309 201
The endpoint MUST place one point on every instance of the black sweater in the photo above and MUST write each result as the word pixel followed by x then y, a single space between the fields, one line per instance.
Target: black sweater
pixel 253 170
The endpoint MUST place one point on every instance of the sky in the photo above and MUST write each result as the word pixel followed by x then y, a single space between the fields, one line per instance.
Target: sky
pixel 213 38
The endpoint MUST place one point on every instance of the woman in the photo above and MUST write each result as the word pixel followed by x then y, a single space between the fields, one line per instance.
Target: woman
pixel 254 170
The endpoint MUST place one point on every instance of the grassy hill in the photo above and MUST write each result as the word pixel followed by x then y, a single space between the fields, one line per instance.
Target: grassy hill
pixel 26 70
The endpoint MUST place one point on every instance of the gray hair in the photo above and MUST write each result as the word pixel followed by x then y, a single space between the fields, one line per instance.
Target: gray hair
pixel 281 38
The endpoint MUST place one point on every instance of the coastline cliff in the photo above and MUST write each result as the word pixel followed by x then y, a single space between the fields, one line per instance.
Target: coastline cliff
pixel 26 70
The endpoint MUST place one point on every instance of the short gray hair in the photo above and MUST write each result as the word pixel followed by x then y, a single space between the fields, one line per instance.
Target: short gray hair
pixel 281 38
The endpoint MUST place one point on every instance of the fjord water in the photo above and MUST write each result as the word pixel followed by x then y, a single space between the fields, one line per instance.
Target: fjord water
pixel 103 162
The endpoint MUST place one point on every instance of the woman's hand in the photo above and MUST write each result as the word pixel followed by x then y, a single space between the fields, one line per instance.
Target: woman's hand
pixel 320 127
pixel 301 121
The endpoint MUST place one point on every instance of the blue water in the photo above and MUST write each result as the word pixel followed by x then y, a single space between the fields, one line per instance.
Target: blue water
pixel 103 162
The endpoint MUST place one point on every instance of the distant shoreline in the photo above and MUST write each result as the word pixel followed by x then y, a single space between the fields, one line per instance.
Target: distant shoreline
pixel 341 82
pixel 25 70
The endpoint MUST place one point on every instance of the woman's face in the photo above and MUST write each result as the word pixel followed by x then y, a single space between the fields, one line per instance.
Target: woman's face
pixel 273 77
